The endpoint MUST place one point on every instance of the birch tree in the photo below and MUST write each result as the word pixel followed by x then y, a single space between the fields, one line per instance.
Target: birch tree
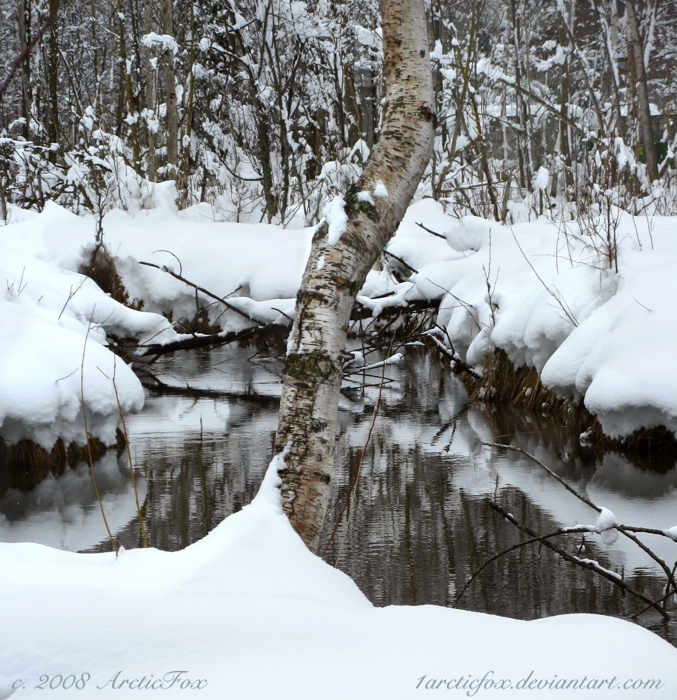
pixel 344 249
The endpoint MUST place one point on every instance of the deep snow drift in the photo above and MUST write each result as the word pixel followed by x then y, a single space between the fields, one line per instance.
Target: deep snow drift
pixel 249 612
pixel 47 316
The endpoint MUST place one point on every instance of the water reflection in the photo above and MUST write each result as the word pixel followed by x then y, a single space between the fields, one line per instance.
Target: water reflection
pixel 63 511
pixel 419 524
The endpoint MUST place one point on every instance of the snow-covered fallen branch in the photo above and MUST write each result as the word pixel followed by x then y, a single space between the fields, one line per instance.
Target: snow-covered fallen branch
pixel 608 527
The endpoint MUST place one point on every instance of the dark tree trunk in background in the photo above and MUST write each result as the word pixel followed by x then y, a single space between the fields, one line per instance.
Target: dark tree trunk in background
pixel 637 46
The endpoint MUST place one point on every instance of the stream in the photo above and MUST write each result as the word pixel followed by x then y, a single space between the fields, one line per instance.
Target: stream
pixel 419 523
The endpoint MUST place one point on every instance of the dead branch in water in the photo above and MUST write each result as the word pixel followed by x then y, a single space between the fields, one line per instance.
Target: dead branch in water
pixel 589 564
pixel 214 339
pixel 457 362
pixel 273 330
pixel 159 387
pixel 627 531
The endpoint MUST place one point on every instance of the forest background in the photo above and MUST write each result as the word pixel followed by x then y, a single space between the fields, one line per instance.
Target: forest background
pixel 268 108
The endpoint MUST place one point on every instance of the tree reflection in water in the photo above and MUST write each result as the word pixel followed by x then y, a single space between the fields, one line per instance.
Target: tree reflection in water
pixel 420 523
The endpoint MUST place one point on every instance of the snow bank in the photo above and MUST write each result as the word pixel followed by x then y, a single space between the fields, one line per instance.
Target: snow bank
pixel 260 264
pixel 544 293
pixel 48 315
pixel 249 612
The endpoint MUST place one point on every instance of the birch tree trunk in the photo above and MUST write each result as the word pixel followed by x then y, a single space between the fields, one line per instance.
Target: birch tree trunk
pixel 151 168
pixel 337 269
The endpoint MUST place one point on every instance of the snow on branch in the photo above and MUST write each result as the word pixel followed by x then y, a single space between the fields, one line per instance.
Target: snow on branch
pixel 160 42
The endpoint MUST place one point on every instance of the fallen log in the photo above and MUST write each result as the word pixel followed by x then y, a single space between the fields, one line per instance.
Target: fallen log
pixel 272 330
pixel 214 339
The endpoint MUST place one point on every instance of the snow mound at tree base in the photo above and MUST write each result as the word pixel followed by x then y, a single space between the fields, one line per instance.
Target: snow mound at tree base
pixel 249 612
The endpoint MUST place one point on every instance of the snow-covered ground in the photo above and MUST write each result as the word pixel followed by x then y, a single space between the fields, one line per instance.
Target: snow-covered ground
pixel 545 293
pixel 249 612
pixel 53 324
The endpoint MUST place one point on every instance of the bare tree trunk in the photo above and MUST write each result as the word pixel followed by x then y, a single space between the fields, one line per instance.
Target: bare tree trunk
pixel 642 90
pixel 564 144
pixel 23 13
pixel 129 91
pixel 151 166
pixel 183 179
pixel 172 120
pixel 520 105
pixel 53 130
pixel 337 268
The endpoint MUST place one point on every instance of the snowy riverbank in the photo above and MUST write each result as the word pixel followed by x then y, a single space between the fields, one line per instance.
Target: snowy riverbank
pixel 548 294
pixel 590 306
pixel 47 317
pixel 249 612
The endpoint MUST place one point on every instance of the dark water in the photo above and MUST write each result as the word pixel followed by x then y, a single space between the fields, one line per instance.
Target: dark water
pixel 419 523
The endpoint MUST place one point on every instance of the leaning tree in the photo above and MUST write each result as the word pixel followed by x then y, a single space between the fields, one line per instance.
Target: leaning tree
pixel 345 247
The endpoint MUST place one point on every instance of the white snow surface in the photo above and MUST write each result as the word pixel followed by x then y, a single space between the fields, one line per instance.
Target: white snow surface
pixel 47 316
pixel 337 219
pixel 542 179
pixel 380 190
pixel 544 293
pixel 263 263
pixel 605 521
pixel 249 612
pixel 606 526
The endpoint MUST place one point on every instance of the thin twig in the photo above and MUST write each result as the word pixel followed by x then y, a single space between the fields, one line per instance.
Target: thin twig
pixel 353 486
pixel 400 260
pixel 454 358
pixel 142 525
pixel 491 560
pixel 434 233
pixel 164 268
pixel 567 312
pixel 589 564
pixel 23 56
pixel 113 541
pixel 71 294
pixel 624 530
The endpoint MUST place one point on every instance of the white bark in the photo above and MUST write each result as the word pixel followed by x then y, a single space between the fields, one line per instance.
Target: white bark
pixel 150 92
pixel 313 373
